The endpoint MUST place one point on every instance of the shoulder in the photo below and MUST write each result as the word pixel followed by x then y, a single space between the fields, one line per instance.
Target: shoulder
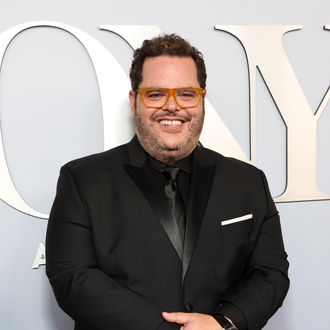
pixel 233 172
pixel 104 161
pixel 238 176
pixel 227 163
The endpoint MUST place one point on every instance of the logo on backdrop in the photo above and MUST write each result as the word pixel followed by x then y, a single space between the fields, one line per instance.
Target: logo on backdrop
pixel 264 51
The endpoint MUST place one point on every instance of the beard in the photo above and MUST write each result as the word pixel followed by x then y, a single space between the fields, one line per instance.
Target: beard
pixel 164 151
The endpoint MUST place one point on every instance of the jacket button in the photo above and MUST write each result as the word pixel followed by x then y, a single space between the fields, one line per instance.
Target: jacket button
pixel 189 307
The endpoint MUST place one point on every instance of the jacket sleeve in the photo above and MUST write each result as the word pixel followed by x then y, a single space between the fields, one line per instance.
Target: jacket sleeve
pixel 258 295
pixel 91 297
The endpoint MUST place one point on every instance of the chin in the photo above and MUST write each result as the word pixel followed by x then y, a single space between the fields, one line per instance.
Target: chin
pixel 172 144
pixel 175 146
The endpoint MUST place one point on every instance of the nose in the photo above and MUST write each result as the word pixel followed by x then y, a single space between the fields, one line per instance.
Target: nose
pixel 171 104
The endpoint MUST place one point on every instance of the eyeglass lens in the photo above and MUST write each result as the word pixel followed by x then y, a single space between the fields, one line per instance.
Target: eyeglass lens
pixel 158 97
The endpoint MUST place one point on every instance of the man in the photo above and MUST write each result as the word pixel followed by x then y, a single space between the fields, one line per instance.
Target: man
pixel 162 233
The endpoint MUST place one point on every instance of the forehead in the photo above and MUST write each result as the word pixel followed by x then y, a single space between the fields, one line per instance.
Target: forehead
pixel 169 71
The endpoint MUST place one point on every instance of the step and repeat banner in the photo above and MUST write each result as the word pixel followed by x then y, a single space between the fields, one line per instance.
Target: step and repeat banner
pixel 64 94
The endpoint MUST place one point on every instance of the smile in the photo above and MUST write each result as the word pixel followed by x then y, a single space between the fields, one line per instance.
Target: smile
pixel 170 122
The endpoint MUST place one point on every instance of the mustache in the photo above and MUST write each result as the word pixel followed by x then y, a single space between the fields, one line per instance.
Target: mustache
pixel 175 115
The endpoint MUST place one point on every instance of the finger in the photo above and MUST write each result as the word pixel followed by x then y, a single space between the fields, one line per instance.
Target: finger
pixel 177 317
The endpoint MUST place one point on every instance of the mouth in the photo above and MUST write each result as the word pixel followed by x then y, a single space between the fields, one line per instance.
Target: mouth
pixel 175 122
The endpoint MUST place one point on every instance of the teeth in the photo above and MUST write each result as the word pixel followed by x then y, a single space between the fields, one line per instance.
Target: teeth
pixel 170 122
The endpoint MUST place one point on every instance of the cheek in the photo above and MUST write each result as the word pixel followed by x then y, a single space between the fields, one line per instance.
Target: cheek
pixel 148 115
pixel 196 115
pixel 200 114
pixel 144 117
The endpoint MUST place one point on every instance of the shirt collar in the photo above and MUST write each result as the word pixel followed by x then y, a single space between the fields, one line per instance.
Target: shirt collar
pixel 184 164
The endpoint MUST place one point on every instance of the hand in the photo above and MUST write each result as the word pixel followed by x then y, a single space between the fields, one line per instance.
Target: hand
pixel 192 321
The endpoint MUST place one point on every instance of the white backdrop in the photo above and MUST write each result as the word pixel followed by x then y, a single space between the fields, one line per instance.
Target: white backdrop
pixel 51 112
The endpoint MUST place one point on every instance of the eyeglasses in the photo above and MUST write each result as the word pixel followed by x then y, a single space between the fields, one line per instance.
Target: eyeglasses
pixel 157 97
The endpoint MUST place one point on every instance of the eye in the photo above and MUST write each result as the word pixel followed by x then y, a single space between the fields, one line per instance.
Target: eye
pixel 155 94
pixel 186 94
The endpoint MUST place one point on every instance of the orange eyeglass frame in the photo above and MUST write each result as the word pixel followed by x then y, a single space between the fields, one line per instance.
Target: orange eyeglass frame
pixel 171 92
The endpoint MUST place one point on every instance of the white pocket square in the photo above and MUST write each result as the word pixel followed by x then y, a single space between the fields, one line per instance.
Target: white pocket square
pixel 238 219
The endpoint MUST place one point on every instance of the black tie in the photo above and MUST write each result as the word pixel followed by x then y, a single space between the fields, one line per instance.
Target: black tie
pixel 177 207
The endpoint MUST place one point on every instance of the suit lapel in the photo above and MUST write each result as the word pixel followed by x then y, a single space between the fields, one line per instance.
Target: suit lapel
pixel 142 174
pixel 200 187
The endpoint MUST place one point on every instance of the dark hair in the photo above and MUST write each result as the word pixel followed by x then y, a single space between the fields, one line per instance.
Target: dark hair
pixel 165 44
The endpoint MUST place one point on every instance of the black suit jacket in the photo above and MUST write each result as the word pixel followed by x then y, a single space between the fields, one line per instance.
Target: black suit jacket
pixel 111 262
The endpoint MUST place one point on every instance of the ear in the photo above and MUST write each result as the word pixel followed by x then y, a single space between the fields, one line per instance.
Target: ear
pixel 131 96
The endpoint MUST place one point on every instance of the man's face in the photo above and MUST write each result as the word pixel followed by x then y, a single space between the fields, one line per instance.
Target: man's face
pixel 169 133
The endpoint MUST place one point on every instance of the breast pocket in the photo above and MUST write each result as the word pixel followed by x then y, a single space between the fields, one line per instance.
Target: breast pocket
pixel 237 225
pixel 234 246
